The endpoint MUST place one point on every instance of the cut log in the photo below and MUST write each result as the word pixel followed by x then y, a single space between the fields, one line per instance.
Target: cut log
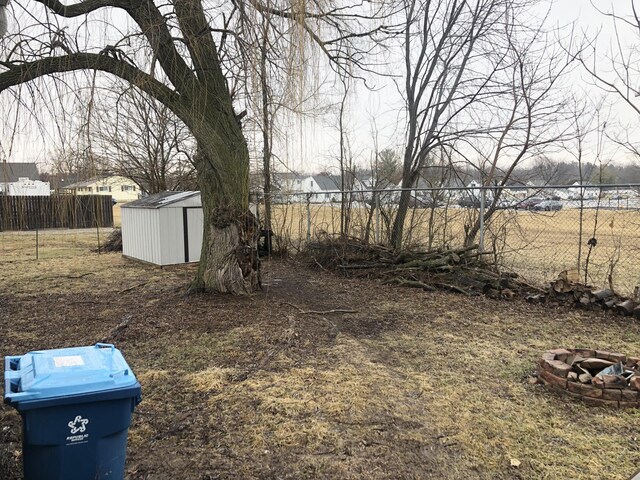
pixel 602 294
pixel 537 298
pixel 626 307
pixel 584 300
pixel 562 286
pixel 569 275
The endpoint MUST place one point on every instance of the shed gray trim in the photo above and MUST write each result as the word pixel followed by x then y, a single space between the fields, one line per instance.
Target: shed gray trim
pixel 159 200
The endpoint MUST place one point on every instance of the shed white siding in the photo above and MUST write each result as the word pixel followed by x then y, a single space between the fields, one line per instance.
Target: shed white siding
pixel 154 229
pixel 172 235
pixel 195 223
pixel 141 235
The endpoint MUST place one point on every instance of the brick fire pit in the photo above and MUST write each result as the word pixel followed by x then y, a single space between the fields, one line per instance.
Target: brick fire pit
pixel 585 374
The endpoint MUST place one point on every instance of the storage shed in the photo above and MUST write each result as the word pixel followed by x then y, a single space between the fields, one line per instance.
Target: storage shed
pixel 164 229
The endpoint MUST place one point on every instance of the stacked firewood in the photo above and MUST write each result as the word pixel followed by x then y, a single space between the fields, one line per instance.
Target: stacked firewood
pixel 565 290
pixel 461 270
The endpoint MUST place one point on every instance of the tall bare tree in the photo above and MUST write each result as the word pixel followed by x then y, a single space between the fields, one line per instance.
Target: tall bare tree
pixel 184 54
pixel 617 70
pixel 449 62
pixel 145 142
pixel 530 117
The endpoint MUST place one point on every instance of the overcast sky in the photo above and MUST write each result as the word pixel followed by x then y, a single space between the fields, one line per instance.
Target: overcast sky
pixel 311 143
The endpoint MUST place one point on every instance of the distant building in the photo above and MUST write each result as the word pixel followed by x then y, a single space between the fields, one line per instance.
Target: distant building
pixel 322 188
pixel 586 191
pixel 293 187
pixel 120 188
pixel 60 181
pixel 22 179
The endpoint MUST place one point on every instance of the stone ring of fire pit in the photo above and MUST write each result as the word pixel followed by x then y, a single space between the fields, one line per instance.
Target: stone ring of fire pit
pixel 596 377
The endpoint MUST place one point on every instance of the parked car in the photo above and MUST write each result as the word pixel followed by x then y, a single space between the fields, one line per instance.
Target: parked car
pixel 530 203
pixel 469 202
pixel 548 205
pixel 503 203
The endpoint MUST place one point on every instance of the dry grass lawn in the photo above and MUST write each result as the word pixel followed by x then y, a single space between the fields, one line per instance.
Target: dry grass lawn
pixel 412 385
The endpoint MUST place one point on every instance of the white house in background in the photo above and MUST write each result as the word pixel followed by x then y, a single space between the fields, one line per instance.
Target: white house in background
pixel 165 228
pixel 22 179
pixel 121 189
pixel 322 188
pixel 293 187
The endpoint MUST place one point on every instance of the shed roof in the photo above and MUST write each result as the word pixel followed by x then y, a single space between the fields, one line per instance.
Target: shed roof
pixel 161 199
pixel 12 171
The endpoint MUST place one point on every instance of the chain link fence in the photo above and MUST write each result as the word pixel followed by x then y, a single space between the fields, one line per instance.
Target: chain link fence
pixel 591 232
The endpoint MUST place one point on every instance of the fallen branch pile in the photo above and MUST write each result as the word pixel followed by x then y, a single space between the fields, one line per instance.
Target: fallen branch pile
pixel 113 242
pixel 460 270
pixel 566 291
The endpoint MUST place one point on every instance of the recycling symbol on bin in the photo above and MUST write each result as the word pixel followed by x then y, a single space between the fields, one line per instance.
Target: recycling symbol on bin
pixel 78 425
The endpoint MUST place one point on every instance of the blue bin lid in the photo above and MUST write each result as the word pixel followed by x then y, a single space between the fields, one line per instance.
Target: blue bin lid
pixel 47 374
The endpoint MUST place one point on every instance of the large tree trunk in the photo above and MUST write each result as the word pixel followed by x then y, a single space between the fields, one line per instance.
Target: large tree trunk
pixel 229 257
pixel 231 263
pixel 229 260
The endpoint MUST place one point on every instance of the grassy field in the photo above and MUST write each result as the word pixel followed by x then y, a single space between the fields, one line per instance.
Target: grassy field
pixel 538 245
pixel 408 385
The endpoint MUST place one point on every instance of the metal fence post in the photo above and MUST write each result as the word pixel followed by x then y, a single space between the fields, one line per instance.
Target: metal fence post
pixel 308 217
pixel 483 197
pixel 377 207
pixel 38 231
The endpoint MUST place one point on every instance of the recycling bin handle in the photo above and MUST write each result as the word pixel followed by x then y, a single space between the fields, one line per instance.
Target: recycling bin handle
pixel 11 364
pixel 106 345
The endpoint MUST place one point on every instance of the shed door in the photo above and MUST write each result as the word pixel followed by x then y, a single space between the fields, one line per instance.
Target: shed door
pixel 193 233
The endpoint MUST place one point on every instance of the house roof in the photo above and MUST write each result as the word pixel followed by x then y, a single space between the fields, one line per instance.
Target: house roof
pixel 326 182
pixel 159 200
pixel 90 181
pixel 12 171
pixel 286 175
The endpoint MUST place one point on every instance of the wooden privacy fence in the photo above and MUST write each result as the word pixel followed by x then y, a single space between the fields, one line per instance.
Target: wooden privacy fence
pixel 56 211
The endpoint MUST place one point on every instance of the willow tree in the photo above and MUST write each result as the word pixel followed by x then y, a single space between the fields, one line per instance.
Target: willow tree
pixel 184 54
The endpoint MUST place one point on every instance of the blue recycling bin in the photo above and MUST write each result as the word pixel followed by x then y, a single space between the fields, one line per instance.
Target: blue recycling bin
pixel 76 406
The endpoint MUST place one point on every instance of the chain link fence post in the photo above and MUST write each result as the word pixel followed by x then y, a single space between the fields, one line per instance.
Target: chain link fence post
pixel 377 207
pixel 483 199
pixel 308 217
